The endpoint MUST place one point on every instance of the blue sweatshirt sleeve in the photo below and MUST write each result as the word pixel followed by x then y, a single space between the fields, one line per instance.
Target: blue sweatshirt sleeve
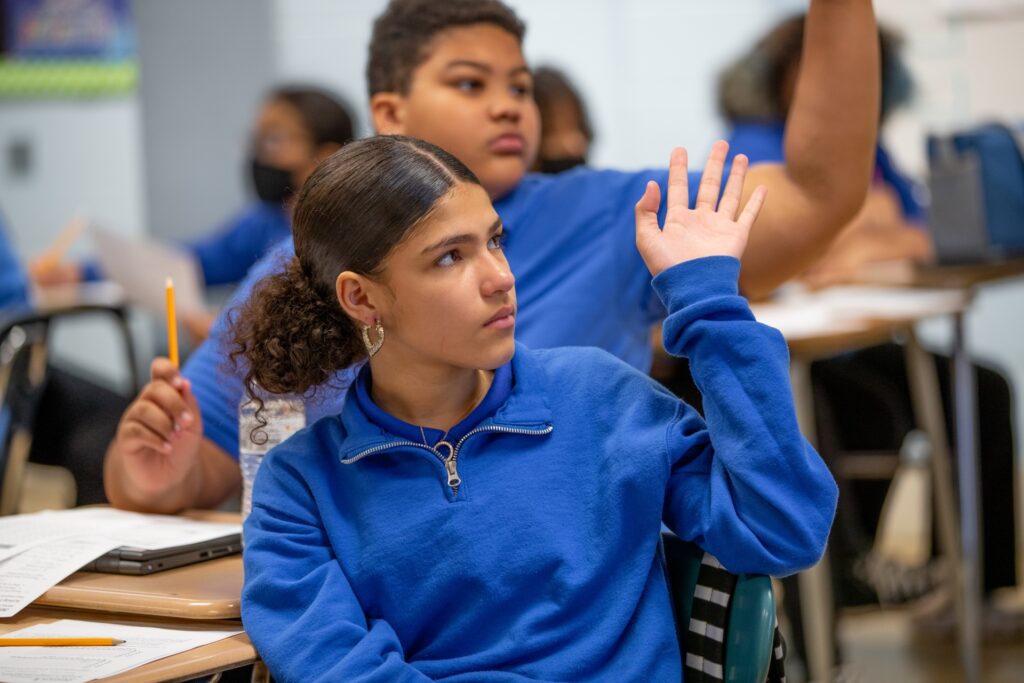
pixel 229 252
pixel 13 284
pixel 297 605
pixel 744 485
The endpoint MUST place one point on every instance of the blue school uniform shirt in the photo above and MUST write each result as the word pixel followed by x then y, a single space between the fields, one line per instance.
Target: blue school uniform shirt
pixel 580 281
pixel 362 563
pixel 764 141
pixel 226 255
pixel 13 284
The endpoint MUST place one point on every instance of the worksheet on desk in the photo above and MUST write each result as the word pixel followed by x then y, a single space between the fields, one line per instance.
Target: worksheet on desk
pixel 40 550
pixel 143 644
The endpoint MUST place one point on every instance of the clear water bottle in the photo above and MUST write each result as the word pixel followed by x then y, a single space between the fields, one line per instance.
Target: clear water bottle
pixel 284 417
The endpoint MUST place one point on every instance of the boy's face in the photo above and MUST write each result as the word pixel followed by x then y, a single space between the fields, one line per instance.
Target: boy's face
pixel 473 98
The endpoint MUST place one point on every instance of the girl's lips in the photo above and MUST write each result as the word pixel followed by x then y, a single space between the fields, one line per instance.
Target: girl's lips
pixel 505 317
pixel 502 323
pixel 508 144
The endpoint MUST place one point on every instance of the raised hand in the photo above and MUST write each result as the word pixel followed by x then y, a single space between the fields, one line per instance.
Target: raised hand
pixel 158 437
pixel 712 228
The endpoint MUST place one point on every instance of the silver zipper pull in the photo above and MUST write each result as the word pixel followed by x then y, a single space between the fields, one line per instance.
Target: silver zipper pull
pixel 453 474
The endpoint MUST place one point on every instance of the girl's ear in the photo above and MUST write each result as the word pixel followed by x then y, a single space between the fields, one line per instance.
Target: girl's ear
pixel 388 112
pixel 355 295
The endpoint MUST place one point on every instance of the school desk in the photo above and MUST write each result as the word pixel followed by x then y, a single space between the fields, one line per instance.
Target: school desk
pixel 223 655
pixel 965 278
pixel 205 590
pixel 203 593
pixel 817 603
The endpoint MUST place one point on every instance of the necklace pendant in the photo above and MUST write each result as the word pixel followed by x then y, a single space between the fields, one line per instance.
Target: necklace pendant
pixel 444 444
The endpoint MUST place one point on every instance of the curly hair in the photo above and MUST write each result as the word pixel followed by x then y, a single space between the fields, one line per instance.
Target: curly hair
pixel 403 33
pixel 291 336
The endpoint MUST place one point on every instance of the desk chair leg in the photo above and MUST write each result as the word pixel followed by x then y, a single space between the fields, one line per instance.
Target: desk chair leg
pixel 817 602
pixel 260 673
pixel 928 414
pixel 964 407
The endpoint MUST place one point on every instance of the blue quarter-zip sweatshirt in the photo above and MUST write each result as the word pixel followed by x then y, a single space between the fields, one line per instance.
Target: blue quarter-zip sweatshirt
pixel 362 563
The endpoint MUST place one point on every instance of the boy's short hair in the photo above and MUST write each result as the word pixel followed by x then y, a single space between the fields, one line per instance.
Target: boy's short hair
pixel 402 33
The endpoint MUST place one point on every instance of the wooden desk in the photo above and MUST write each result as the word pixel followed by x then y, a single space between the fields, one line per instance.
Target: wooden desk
pixel 966 278
pixel 205 590
pixel 858 328
pixel 203 594
pixel 223 655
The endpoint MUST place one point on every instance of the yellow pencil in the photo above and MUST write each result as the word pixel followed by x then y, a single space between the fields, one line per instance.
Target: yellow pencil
pixel 63 642
pixel 172 324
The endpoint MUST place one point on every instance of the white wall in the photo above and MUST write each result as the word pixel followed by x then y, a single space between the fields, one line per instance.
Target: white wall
pixel 84 155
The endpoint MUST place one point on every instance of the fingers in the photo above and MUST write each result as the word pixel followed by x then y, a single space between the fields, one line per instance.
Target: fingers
pixel 711 180
pixel 163 369
pixel 647 211
pixel 733 194
pixel 678 180
pixel 753 207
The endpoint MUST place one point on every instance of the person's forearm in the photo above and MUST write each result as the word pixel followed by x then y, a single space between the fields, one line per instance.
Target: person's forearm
pixel 830 144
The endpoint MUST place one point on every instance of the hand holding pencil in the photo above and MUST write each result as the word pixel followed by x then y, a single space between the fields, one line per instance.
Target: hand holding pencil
pixel 50 269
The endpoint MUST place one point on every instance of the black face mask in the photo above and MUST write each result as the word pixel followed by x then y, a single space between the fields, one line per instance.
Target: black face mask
pixel 560 164
pixel 272 184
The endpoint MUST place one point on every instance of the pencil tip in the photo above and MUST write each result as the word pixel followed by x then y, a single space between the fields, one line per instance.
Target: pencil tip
pixel 116 641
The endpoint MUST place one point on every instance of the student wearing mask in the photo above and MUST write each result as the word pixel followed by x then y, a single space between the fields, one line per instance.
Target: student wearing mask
pixel 565 130
pixel 479 508
pixel 454 74
pixel 296 127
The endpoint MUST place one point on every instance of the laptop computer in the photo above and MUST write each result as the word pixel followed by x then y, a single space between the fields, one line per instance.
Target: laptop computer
pixel 140 561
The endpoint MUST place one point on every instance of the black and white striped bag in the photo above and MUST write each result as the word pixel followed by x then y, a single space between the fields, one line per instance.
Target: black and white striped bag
pixel 704 659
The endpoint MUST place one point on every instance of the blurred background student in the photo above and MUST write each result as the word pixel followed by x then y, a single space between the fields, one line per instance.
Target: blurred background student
pixel 295 128
pixel 862 398
pixel 565 133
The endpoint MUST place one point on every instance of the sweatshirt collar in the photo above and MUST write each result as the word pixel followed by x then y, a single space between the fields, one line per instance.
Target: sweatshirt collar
pixel 525 408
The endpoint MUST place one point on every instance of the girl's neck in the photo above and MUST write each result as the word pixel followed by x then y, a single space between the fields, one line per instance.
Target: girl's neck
pixel 432 396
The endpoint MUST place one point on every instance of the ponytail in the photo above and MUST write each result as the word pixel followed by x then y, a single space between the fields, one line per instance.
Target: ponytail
pixel 290 338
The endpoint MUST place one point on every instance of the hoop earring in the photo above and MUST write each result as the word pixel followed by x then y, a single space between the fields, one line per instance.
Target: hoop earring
pixel 373 347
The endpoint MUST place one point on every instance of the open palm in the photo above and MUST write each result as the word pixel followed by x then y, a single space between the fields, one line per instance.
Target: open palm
pixel 711 228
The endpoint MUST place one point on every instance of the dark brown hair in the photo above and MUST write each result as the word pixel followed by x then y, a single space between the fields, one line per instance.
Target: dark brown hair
pixel 326 117
pixel 551 88
pixel 292 335
pixel 752 87
pixel 402 35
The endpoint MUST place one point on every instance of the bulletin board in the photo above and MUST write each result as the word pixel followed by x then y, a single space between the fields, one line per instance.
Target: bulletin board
pixel 66 48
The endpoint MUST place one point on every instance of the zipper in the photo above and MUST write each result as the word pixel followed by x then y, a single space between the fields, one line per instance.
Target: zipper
pixel 451 461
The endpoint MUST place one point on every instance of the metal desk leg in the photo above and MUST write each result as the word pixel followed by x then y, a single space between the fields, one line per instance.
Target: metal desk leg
pixel 928 414
pixel 816 599
pixel 970 513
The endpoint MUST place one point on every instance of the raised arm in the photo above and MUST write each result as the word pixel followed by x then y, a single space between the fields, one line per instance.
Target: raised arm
pixel 830 146
pixel 745 486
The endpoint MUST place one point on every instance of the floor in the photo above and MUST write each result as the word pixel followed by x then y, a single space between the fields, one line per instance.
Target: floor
pixel 882 647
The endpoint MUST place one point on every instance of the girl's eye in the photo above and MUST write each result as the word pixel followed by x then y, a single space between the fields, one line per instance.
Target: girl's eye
pixel 521 90
pixel 448 259
pixel 469 84
pixel 496 241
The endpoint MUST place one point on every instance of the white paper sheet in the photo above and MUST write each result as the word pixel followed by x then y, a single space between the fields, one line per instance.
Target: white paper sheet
pixel 142 267
pixel 127 528
pixel 26 576
pixel 142 644
pixel 37 551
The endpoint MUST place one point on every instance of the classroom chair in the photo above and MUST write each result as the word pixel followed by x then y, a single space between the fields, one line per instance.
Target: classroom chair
pixel 725 622
pixel 24 354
